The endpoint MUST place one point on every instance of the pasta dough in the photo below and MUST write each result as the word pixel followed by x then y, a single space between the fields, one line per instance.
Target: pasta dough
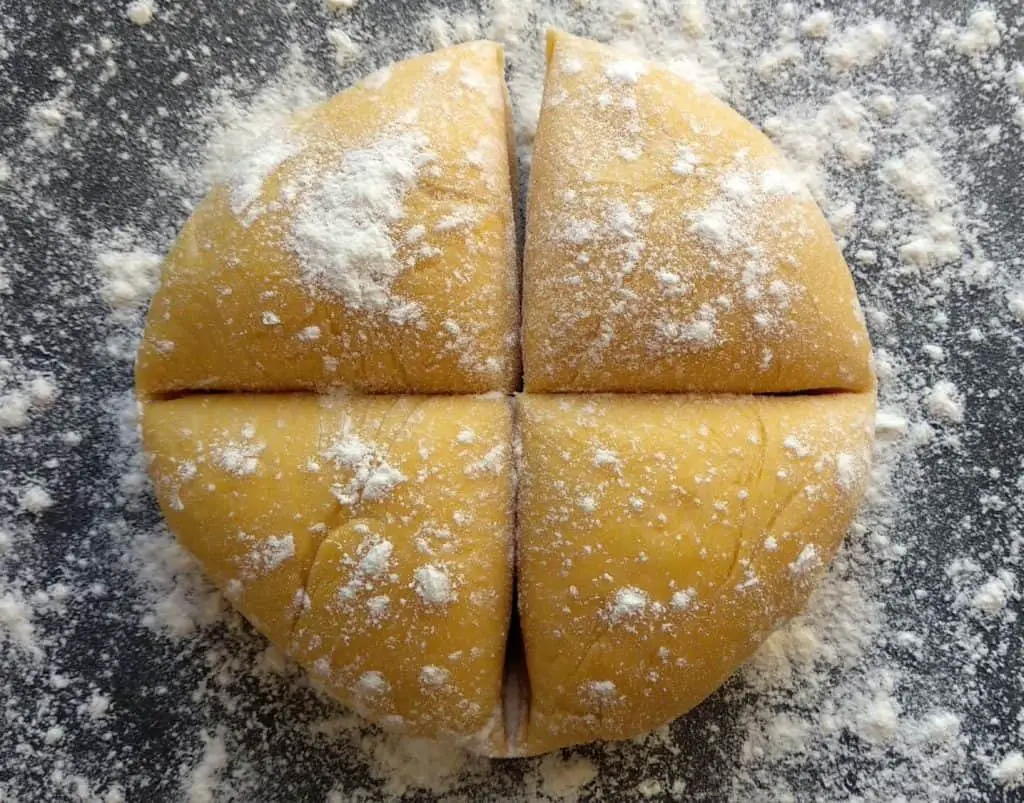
pixel 369 538
pixel 653 538
pixel 694 258
pixel 368 245
pixel 662 538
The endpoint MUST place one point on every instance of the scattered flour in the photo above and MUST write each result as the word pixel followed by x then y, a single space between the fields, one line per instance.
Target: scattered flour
pixel 202 781
pixel 246 177
pixel 864 100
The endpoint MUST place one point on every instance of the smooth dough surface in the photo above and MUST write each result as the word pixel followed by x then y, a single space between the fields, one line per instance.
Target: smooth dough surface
pixel 369 245
pixel 662 539
pixel 368 538
pixel 669 247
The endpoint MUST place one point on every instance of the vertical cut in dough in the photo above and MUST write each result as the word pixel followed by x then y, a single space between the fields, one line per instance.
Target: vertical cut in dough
pixel 369 244
pixel 670 248
pixel 368 538
pixel 662 539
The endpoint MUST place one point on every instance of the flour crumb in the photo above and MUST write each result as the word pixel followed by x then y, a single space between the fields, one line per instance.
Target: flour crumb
pixel 564 779
pixel 433 585
pixel 880 719
pixel 128 278
pixel 945 402
pixel 817 25
pixel 270 554
pixel 981 34
pixel 373 478
pixel 141 12
pixel 683 600
pixel 629 602
pixel 36 500
pixel 807 561
pixel 16 625
pixel 404 764
pixel 371 684
pixel 345 48
pixel 859 46
pixel 994 594
pixel 625 71
pixel 1009 772
pixel 434 676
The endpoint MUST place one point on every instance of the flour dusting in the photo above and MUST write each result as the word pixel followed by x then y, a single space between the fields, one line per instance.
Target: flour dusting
pixel 342 230
pixel 905 125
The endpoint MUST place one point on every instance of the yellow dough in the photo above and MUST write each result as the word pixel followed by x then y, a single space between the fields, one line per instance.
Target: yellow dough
pixel 669 248
pixel 369 538
pixel 370 246
pixel 661 539
pixel 654 538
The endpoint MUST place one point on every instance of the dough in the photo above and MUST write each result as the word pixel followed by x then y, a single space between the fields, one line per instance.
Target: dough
pixel 369 538
pixel 670 248
pixel 661 538
pixel 370 245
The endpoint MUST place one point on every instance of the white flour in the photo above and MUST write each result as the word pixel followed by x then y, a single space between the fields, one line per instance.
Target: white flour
pixel 202 779
pixel 880 690
pixel 245 178
pixel 141 12
pixel 433 585
pixel 342 232
pixel 373 478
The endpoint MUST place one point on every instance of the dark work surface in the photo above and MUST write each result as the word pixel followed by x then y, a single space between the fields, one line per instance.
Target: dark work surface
pixel 53 320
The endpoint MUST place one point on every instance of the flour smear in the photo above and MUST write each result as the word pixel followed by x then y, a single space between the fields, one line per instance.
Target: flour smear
pixel 125 675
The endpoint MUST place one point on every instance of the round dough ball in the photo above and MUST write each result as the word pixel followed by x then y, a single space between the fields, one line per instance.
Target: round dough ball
pixel 663 538
pixel 369 244
pixel 368 538
pixel 670 248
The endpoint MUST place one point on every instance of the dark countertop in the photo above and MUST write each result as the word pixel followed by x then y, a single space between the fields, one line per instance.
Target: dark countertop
pixel 962 496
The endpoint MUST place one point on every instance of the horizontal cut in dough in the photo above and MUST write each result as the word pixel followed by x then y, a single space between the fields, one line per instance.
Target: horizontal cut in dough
pixel 670 248
pixel 369 245
pixel 661 539
pixel 368 538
